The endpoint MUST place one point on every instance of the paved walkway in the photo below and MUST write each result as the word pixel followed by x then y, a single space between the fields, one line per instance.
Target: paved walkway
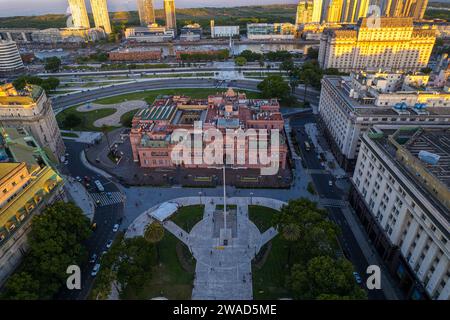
pixel 221 272
pixel 80 196
pixel 113 119
pixel 83 136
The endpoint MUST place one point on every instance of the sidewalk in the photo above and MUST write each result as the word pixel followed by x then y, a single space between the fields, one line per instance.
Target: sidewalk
pixel 80 196
pixel 391 292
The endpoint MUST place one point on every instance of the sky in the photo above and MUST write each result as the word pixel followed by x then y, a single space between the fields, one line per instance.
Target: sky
pixel 38 7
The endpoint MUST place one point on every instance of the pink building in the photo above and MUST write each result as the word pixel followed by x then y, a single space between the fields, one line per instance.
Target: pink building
pixel 152 128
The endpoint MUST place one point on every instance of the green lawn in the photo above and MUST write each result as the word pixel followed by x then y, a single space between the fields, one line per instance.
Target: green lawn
pixel 169 278
pixel 150 95
pixel 69 134
pixel 87 118
pixel 188 216
pixel 269 279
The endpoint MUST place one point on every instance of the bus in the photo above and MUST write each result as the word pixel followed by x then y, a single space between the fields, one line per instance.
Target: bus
pixel 307 146
pixel 99 186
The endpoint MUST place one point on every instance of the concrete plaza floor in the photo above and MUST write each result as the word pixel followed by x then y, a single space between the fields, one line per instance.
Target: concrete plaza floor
pixel 222 271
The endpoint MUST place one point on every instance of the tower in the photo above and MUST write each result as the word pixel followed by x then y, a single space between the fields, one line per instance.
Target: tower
pixel 304 12
pixel 169 11
pixel 101 15
pixel 146 12
pixel 79 14
pixel 317 11
pixel 334 11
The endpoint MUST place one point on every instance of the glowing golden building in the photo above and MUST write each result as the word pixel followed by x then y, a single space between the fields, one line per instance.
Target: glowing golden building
pixel 146 12
pixel 28 184
pixel 79 14
pixel 169 11
pixel 393 44
pixel 101 15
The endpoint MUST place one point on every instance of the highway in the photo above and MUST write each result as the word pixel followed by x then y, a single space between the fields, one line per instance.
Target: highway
pixel 158 84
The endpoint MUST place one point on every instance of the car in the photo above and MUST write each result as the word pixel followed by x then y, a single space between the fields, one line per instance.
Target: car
pixel 78 178
pixel 93 258
pixel 109 195
pixel 109 244
pixel 116 227
pixel 95 270
pixel 66 162
pixel 330 183
pixel 104 252
pixel 358 278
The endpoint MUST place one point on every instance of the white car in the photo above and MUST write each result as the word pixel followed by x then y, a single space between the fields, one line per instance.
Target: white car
pixel 78 178
pixel 330 183
pixel 95 270
pixel 109 244
pixel 116 227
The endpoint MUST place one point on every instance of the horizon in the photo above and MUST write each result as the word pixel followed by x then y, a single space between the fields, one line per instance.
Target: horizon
pixel 41 7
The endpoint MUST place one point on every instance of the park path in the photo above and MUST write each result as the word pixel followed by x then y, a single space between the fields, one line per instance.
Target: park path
pixel 113 119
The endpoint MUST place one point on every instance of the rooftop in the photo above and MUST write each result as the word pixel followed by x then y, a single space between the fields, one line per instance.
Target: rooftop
pixel 9 96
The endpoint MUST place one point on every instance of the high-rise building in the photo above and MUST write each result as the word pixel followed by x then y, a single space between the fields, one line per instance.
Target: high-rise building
pixel 146 12
pixel 350 105
pixel 317 11
pixel 101 15
pixel 405 8
pixel 169 11
pixel 395 44
pixel 334 12
pixel 79 14
pixel 28 183
pixel 304 12
pixel 349 10
pixel 10 60
pixel 401 192
pixel 31 109
pixel 363 8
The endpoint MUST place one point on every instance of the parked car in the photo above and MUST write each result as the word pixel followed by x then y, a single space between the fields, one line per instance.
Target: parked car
pixel 330 183
pixel 109 244
pixel 116 228
pixel 93 258
pixel 358 278
pixel 95 270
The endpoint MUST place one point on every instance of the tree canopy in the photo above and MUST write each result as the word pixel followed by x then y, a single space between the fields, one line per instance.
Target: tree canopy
pixel 52 64
pixel 55 242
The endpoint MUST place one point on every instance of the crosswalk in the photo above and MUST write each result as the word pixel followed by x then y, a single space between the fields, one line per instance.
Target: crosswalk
pixel 106 199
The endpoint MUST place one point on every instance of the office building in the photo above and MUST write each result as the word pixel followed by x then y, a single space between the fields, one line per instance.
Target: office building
pixel 152 128
pixel 191 32
pixel 80 17
pixel 28 184
pixel 304 12
pixel 151 33
pixel 101 15
pixel 271 31
pixel 401 192
pixel 223 31
pixel 405 8
pixel 317 11
pixel 31 109
pixel 146 12
pixel 349 105
pixel 10 60
pixel 169 12
pixel 396 44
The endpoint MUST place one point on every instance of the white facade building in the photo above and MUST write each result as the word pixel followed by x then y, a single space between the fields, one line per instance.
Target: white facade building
pixel 350 105
pixel 10 60
pixel 224 31
pixel 403 201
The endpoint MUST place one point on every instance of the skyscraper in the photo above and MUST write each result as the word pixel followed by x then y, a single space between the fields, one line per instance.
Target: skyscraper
pixel 101 15
pixel 317 11
pixel 304 12
pixel 146 12
pixel 79 14
pixel 169 11
pixel 335 11
pixel 405 8
pixel 349 10
pixel 363 7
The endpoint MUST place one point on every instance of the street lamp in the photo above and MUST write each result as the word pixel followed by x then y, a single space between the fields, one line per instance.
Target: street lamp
pixel 251 198
pixel 200 196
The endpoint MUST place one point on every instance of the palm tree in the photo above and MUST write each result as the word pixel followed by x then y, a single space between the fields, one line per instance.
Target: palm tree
pixel 154 233
pixel 291 232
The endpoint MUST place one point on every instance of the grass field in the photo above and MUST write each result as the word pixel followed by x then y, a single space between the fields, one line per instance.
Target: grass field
pixel 87 118
pixel 188 216
pixel 269 281
pixel 150 95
